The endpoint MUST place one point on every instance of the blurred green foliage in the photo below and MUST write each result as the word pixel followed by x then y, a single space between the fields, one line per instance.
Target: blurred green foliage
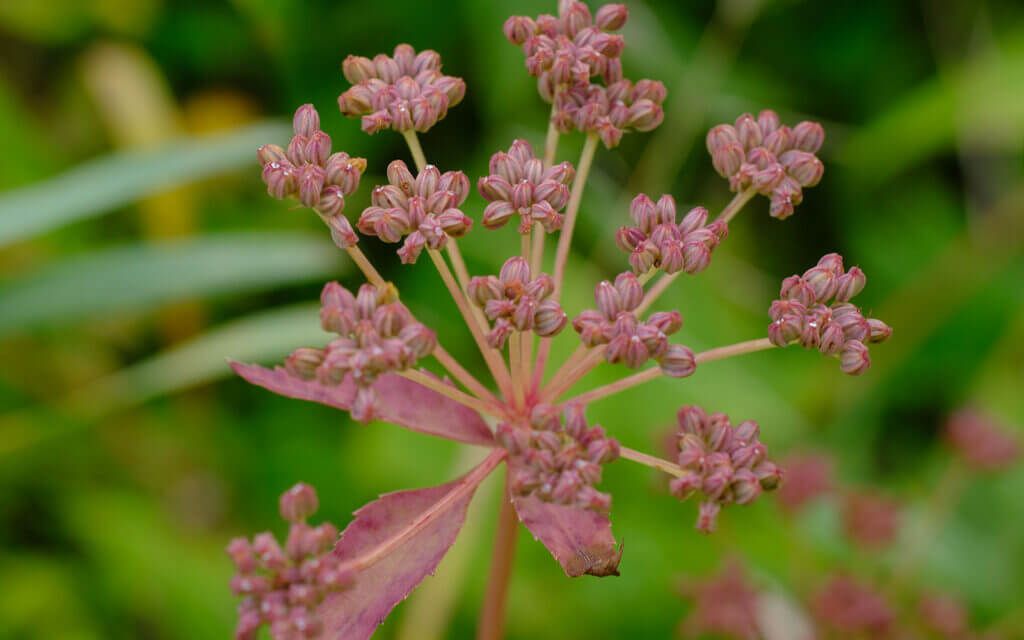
pixel 136 253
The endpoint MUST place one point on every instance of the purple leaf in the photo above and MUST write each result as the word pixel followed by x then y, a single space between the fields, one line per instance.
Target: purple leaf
pixel 392 544
pixel 399 400
pixel 581 540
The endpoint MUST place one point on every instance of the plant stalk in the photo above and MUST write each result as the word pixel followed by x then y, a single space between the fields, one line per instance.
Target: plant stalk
pixel 492 615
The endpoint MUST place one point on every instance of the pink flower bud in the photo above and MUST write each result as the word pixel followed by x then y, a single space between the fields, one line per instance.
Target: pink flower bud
pixel 549 319
pixel 497 214
pixel 609 300
pixel 611 17
pixel 311 183
pixel 376 121
pixel 483 289
pixel 832 339
pixel 454 223
pixel 748 131
pixel 420 340
pixel 518 29
pixel 271 153
pixel 343 172
pixel 280 180
pixel 850 284
pixel 728 158
pixel 631 292
pixel 668 322
pixel 644 213
pixel 854 359
pixel 808 136
pixel 298 503
pixel 678 361
pixel 766 180
pixel 805 167
pixel 745 487
pixel 242 555
pixel 306 121
pixel 515 269
pixel 822 281
pixel 358 69
pixel 696 256
pixel 644 115
pixel 880 332
pixel 707 518
pixel 318 149
pixel 778 141
pixel 768 121
pixel 784 199
pixel 303 362
pixel 721 135
pixel 695 219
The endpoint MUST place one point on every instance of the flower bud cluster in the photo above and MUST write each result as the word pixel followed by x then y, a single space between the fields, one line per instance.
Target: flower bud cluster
pixel 514 301
pixel 404 92
pixel 982 445
pixel 558 459
pixel 610 111
pixel 519 185
pixel 815 310
pixel 568 50
pixel 846 608
pixel 869 519
pixel 423 209
pixel 725 463
pixel 725 605
pixel 282 586
pixel 378 335
pixel 768 157
pixel 808 476
pixel 628 339
pixel 658 241
pixel 309 172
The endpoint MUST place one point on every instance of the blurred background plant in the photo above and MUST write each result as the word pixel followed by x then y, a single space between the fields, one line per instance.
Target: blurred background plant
pixel 138 249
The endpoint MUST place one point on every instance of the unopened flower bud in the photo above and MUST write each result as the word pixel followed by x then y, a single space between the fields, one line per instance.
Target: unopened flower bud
pixel 549 319
pixel 298 503
pixel 822 281
pixel 678 361
pixel 545 417
pixel 707 518
pixel 832 339
pixel 306 121
pixel 880 332
pixel 609 300
pixel 611 17
pixel 271 153
pixel 720 136
pixel 850 284
pixel 728 158
pixel 668 322
pixel 749 131
pixel 304 361
pixel 518 29
pixel 808 136
pixel 805 167
pixel 695 219
pixel 696 256
pixel 854 359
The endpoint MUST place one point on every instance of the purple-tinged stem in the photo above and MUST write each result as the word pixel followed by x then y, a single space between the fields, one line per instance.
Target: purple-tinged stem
pixel 560 384
pixel 452 392
pixel 619 385
pixel 718 353
pixel 537 250
pixel 551 140
pixel 414 147
pixel 492 616
pixel 466 484
pixel 653 462
pixel 565 238
pixel 663 283
pixel 458 263
pixel 493 359
pixel 515 357
pixel 467 379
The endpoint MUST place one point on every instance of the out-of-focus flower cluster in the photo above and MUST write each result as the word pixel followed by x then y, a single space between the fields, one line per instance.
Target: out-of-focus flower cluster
pixel 404 92
pixel 845 606
pixel 723 605
pixel 519 185
pixel 726 463
pixel 658 241
pixel 558 459
pixel 808 476
pixel 515 301
pixel 378 335
pixel 870 519
pixel 281 587
pixel 768 157
pixel 814 310
pixel 308 171
pixel 424 209
pixel 628 339
pixel 981 444
pixel 566 52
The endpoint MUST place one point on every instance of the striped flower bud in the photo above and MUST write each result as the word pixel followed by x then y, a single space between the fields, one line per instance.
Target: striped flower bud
pixel 850 284
pixel 298 503
pixel 306 121
pixel 678 361
pixel 549 319
pixel 808 136
pixel 854 358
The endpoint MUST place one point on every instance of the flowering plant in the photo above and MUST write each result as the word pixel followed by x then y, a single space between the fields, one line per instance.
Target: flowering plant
pixel 314 586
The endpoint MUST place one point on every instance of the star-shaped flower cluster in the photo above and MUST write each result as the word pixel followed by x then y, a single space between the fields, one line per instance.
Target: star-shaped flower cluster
pixel 814 311
pixel 725 463
pixel 404 92
pixel 558 459
pixel 519 185
pixel 515 301
pixel 423 209
pixel 628 339
pixel 657 241
pixel 378 335
pixel 282 587
pixel 768 157
pixel 308 171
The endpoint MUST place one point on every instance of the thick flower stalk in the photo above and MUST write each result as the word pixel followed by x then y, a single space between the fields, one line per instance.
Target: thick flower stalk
pixel 555 460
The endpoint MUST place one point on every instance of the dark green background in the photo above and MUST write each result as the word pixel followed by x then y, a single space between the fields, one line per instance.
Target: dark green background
pixel 128 457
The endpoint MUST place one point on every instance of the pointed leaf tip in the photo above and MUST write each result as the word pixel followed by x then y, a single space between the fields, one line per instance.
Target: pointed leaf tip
pixel 581 540
pixel 399 400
